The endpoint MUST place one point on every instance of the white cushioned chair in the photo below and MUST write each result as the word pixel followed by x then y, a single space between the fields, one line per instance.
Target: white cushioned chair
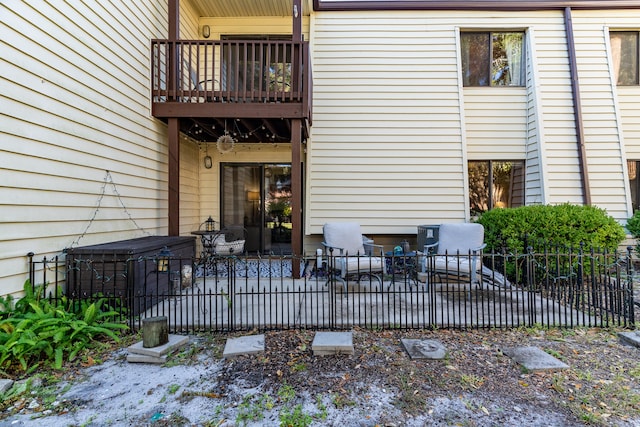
pixel 350 253
pixel 458 251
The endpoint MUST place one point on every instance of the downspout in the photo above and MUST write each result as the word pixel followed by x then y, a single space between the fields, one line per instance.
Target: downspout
pixel 577 109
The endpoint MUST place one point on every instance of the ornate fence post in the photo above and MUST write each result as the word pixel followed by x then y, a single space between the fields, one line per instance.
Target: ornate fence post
pixel 629 301
pixel 131 294
pixel 32 269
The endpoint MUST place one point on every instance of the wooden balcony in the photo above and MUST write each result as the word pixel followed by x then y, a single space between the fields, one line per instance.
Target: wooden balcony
pixel 249 88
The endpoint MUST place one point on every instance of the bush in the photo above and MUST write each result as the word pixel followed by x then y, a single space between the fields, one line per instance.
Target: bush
pixel 564 225
pixel 633 225
pixel 37 331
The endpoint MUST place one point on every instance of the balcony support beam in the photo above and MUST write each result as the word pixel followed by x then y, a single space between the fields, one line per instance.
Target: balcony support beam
pixel 227 110
pixel 174 176
pixel 296 193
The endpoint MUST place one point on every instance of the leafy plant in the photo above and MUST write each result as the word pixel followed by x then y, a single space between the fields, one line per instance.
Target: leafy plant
pixel 633 226
pixel 286 393
pixel 295 417
pixel 249 410
pixel 38 331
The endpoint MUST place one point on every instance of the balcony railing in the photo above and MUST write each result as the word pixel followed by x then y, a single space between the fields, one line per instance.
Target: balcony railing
pixel 199 71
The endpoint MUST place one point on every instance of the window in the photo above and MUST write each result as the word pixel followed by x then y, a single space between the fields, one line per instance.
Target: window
pixel 633 167
pixel 492 59
pixel 625 51
pixel 495 184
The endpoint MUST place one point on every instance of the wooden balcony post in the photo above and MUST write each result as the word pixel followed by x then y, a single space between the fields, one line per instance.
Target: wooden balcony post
pixel 296 193
pixel 297 37
pixel 174 176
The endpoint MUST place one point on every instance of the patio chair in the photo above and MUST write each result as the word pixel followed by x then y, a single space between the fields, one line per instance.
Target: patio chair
pixel 458 251
pixel 351 253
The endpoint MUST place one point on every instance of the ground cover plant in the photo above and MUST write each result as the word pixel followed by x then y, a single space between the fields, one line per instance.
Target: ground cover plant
pixel 37 330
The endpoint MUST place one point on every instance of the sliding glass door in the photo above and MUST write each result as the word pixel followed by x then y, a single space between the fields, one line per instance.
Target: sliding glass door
pixel 257 197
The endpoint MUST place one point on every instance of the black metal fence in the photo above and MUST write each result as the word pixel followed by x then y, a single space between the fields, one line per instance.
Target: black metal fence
pixel 559 289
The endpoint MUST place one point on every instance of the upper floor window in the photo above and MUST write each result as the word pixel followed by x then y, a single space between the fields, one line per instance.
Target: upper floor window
pixel 492 58
pixel 625 53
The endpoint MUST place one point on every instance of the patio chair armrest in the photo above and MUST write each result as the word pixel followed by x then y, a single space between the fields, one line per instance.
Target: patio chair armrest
pixel 430 248
pixel 369 248
pixel 330 249
pixel 478 249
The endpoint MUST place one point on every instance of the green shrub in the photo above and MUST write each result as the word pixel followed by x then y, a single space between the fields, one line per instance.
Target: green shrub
pixel 37 331
pixel 564 225
pixel 633 226
pixel 557 229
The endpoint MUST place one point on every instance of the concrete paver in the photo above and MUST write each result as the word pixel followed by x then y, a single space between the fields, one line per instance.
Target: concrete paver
pixel 330 343
pixel 630 338
pixel 251 344
pixel 424 349
pixel 534 359
pixel 140 354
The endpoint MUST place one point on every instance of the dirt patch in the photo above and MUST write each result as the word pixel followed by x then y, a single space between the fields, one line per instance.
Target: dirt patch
pixel 476 384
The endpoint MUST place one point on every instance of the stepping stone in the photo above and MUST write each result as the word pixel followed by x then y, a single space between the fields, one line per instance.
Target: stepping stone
pixel 630 338
pixel 424 349
pixel 331 343
pixel 534 359
pixel 175 341
pixel 251 344
pixel 5 385
pixel 140 358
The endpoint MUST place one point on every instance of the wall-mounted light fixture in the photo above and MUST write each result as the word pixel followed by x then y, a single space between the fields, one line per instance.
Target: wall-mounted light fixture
pixel 208 162
pixel 295 10
pixel 206 31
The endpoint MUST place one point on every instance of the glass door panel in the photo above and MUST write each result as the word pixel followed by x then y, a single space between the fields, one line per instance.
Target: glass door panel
pixel 257 197
pixel 277 196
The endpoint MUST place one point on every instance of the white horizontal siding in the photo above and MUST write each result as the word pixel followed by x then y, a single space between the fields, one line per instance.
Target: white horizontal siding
pixel 496 123
pixel 263 25
pixel 629 104
pixel 535 170
pixel 386 123
pixel 387 105
pixel 74 103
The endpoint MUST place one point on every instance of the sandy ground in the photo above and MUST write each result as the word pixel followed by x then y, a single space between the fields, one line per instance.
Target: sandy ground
pixel 198 388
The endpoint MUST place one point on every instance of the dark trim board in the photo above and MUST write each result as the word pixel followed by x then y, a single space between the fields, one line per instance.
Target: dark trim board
pixel 513 5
